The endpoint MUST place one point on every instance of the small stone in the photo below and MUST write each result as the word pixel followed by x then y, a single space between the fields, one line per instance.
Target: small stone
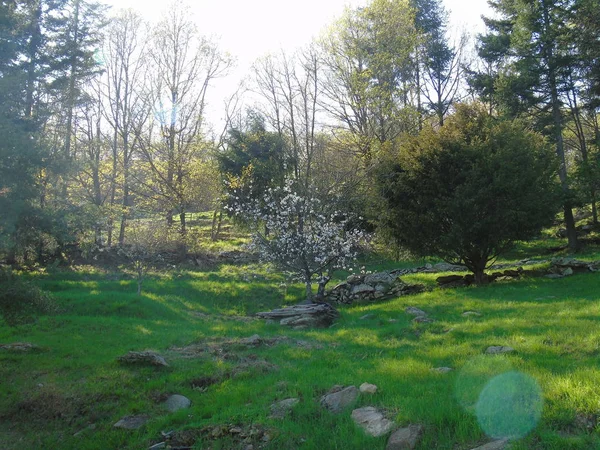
pixel 255 339
pixel 405 438
pixel 367 316
pixel 280 409
pixel 336 402
pixel 499 349
pixel 177 402
pixel 372 421
pixel 442 369
pixel 132 422
pixel 367 388
pixel 235 430
pixel 392 320
pixel 471 313
pixel 566 272
pixel 554 276
pixel 500 444
pixel 415 311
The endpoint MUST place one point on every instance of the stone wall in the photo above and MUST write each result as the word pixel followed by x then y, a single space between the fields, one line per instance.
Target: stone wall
pixel 370 287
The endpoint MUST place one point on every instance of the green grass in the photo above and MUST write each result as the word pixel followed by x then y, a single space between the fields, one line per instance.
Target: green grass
pixel 75 380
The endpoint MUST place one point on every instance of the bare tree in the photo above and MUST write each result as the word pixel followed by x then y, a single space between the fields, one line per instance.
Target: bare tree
pixel 183 66
pixel 126 105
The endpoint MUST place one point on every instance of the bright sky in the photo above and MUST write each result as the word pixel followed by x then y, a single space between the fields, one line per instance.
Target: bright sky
pixel 249 29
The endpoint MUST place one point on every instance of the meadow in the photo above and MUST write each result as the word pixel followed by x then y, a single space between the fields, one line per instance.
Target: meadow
pixel 69 392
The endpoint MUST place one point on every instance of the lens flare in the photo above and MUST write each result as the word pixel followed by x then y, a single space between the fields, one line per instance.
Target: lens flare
pixel 509 406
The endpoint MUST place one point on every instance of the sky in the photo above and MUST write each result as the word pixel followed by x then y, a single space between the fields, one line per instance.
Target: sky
pixel 249 29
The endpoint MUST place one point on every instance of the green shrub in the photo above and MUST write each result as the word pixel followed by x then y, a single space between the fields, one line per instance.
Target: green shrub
pixel 21 301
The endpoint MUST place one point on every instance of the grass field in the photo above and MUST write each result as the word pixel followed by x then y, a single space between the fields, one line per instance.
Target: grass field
pixel 70 393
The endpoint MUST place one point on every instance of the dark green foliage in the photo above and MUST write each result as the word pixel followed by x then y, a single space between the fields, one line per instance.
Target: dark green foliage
pixel 254 160
pixel 21 301
pixel 467 192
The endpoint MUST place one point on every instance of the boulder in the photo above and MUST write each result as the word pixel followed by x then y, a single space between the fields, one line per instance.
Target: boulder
pixel 280 409
pixel 372 421
pixel 336 402
pixel 499 349
pixel 151 358
pixel 405 438
pixel 367 388
pixel 177 402
pixel 132 422
pixel 313 315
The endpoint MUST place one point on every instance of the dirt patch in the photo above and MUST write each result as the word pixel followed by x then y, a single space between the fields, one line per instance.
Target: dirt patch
pixel 232 436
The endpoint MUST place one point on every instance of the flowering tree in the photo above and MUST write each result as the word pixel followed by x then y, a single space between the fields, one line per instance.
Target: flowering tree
pixel 295 230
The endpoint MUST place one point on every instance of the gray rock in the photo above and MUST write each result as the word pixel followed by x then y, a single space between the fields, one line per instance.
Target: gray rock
pixel 566 272
pixel 372 421
pixel 367 388
pixel 500 444
pixel 177 402
pixel 471 313
pixel 132 422
pixel 499 349
pixel 380 278
pixel 355 279
pixel 280 409
pixel 255 339
pixel 336 402
pixel 442 369
pixel 20 347
pixel 362 289
pixel 415 311
pixel 151 358
pixel 405 438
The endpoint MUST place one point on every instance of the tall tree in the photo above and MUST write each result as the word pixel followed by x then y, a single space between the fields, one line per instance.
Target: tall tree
pixel 184 65
pixel 530 34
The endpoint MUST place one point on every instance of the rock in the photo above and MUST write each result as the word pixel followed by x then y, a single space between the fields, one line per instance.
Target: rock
pixel 132 422
pixel 20 347
pixel 362 289
pixel 405 438
pixel 158 446
pixel 372 421
pixel 315 314
pixel 447 267
pixel 355 279
pixel 367 316
pixel 384 278
pixel 471 313
pixel 367 388
pixel 415 311
pixel 442 369
pixel 253 340
pixel 151 358
pixel 500 444
pixel 499 349
pixel 336 402
pixel 280 409
pixel 177 402
pixel 566 272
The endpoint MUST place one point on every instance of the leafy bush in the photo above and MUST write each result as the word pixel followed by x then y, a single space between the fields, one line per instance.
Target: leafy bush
pixel 21 301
